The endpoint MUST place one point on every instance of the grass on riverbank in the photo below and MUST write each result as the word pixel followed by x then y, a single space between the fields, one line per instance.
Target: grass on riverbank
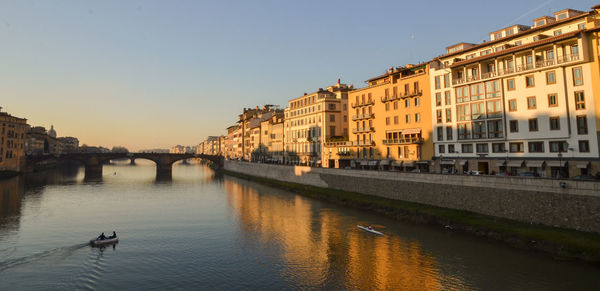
pixel 561 242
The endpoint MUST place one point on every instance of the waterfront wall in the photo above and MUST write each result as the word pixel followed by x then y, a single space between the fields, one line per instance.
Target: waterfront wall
pixel 575 204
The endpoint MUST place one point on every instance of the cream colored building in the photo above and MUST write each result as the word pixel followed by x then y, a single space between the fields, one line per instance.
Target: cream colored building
pixel 524 101
pixel 271 147
pixel 311 120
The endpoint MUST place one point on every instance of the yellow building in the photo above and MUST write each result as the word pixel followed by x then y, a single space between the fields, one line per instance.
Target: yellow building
pixel 271 148
pixel 12 142
pixel 311 120
pixel 391 123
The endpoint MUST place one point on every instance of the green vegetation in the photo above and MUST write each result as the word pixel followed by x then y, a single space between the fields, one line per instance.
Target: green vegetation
pixel 560 242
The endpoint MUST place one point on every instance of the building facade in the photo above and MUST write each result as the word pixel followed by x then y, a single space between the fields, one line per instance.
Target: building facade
pixel 12 142
pixel 311 120
pixel 521 102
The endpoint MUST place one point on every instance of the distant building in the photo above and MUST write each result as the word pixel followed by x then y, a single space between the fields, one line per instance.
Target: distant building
pixel 70 144
pixel 178 149
pixel 12 142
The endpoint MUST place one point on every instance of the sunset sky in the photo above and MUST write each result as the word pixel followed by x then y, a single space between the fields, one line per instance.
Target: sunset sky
pixel 153 74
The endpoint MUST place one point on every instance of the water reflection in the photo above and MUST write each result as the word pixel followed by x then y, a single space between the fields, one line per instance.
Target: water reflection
pixel 320 246
pixel 10 202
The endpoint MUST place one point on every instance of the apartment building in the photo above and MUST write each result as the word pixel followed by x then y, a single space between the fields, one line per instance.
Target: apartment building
pixel 12 142
pixel 391 123
pixel 312 119
pixel 524 101
pixel 249 122
pixel 271 148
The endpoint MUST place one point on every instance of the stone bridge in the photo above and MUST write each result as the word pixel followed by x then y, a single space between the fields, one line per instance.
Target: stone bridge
pixel 93 162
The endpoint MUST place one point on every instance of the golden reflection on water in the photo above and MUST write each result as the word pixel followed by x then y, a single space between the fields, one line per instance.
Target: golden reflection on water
pixel 10 197
pixel 317 243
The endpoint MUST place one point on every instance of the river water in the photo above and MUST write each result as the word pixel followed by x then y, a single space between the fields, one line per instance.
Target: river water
pixel 199 231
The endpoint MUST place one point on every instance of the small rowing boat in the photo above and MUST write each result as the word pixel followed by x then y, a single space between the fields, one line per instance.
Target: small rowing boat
pixel 369 229
pixel 106 241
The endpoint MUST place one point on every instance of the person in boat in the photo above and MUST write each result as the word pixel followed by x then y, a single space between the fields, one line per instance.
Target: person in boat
pixel 113 235
pixel 101 237
pixel 370 227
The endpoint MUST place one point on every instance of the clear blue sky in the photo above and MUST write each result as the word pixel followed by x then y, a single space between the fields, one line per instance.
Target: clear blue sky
pixel 147 74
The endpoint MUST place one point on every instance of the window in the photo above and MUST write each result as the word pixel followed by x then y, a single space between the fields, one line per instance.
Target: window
pixel 514 125
pixel 494 109
pixel 550 77
pixel 479 130
pixel 462 94
pixel 387 92
pixel 492 89
pixel 552 100
pixel 533 124
pixel 581 26
pixel 482 148
pixel 584 146
pixel 495 129
pixel 407 103
pixel 558 146
pixel 416 87
pixel 536 147
pixel 438 114
pixel 447 98
pixel 387 106
pixel 440 133
pixel 442 149
pixel 531 104
pixel 438 99
pixel 477 110
pixel 579 100
pixel 554 123
pixel 557 32
pixel 387 121
pixel 463 112
pixel 417 117
pixel 529 81
pixel 512 105
pixel 438 83
pixel 395 105
pixel 467 148
pixel 449 133
pixel 516 147
pixel 498 148
pixel 417 101
pixel 476 92
pixel 407 118
pixel 510 84
pixel 582 127
pixel 332 118
pixel 446 80
pixel 396 119
pixel 577 77
pixel 448 115
pixel 451 148
pixel 406 88
pixel 464 131
pixel 518 43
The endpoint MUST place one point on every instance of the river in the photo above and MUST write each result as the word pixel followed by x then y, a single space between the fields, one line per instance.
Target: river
pixel 202 231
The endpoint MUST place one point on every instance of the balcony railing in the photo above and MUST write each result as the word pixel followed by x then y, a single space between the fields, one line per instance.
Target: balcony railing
pixel 403 141
pixel 367 142
pixel 520 68
pixel 400 96
pixel 363 129
pixel 363 116
pixel 369 102
pixel 339 143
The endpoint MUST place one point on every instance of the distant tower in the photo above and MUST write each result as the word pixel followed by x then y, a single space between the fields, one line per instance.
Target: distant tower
pixel 52 132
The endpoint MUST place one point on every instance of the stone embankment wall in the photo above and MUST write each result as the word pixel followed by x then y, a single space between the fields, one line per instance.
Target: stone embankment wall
pixel 574 205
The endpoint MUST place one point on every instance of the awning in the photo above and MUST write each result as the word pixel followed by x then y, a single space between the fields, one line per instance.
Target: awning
pixel 448 162
pixel 582 165
pixel 384 162
pixel 535 164
pixel 462 162
pixel 372 163
pixel 411 131
pixel 364 163
pixel 556 163
pixel 514 163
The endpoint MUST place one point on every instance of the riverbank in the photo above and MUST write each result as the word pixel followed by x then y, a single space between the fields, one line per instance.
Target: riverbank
pixel 8 174
pixel 555 241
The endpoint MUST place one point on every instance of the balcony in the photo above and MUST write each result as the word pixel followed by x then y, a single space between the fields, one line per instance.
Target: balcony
pixel 403 141
pixel 518 69
pixel 338 144
pixel 400 96
pixel 363 143
pixel 363 129
pixel 363 116
pixel 369 102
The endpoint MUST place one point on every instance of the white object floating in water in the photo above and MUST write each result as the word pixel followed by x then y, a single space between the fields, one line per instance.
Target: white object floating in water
pixel 371 230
